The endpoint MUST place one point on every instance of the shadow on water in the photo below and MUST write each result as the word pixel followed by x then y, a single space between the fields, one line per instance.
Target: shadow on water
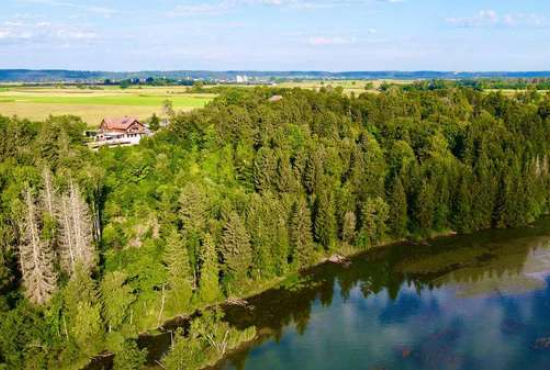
pixel 407 306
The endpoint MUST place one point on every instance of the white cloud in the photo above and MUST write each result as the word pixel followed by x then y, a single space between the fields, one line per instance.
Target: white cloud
pixel 489 17
pixel 200 9
pixel 330 40
pixel 223 6
pixel 41 31
pixel 105 11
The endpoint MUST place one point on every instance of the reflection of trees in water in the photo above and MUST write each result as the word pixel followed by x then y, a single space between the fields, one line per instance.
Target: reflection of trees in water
pixel 462 259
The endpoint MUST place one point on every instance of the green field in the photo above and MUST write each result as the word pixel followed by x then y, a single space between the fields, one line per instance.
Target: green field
pixel 37 103
pixel 349 86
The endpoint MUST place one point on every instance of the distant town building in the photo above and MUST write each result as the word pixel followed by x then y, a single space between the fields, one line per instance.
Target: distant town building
pixel 242 79
pixel 123 131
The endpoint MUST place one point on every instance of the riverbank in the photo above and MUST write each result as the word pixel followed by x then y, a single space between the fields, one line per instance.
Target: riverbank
pixel 158 340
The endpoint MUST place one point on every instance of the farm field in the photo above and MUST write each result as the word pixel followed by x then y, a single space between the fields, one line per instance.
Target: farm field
pixel 37 103
pixel 349 86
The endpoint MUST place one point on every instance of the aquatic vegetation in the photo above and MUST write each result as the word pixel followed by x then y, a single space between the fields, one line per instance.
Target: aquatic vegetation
pixel 208 340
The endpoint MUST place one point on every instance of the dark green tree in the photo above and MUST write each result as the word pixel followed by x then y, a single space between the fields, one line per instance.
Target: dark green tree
pixel 300 231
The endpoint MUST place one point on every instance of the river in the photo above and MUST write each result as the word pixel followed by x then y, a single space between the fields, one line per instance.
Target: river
pixel 479 301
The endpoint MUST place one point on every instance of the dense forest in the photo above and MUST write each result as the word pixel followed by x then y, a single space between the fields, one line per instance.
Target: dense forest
pixel 97 247
pixel 479 84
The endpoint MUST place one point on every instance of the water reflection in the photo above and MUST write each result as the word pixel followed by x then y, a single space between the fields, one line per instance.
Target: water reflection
pixel 468 302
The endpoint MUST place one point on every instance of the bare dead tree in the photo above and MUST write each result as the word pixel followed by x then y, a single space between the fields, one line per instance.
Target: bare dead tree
pixel 76 231
pixel 48 194
pixel 35 256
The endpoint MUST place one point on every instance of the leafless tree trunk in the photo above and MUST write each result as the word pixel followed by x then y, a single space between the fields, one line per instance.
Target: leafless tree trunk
pixel 48 194
pixel 76 236
pixel 35 257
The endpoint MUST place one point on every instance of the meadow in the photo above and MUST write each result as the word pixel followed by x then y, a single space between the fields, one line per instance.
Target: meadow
pixel 37 103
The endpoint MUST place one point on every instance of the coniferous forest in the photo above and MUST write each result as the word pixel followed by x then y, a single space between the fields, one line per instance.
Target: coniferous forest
pixel 97 247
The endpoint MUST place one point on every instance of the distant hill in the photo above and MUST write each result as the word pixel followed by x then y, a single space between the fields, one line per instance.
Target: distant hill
pixel 58 75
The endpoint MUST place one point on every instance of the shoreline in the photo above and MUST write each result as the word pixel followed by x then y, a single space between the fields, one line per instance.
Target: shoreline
pixel 341 257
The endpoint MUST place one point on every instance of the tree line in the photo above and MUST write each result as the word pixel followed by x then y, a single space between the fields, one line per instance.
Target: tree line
pixel 97 247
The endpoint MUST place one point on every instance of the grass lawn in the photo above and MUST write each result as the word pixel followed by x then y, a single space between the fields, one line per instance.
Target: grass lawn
pixel 37 103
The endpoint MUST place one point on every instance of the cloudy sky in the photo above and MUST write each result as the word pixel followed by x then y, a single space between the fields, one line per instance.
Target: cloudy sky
pixel 333 35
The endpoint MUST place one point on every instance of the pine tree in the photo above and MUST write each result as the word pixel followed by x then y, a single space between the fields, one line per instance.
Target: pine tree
pixel 36 258
pixel 236 249
pixel 209 286
pixel 180 278
pixel 398 209
pixel 300 235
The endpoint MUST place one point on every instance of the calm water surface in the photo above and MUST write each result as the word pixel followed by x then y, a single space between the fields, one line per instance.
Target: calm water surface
pixel 467 302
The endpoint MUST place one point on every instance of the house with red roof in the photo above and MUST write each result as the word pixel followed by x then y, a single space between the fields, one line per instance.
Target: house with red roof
pixel 122 131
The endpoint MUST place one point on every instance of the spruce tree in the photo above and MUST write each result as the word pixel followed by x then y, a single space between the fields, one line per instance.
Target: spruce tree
pixel 236 249
pixel 117 298
pixel 180 278
pixel 349 228
pixel 209 286
pixel 423 210
pixel 259 224
pixel 82 320
pixel 300 230
pixel 265 169
pixel 374 215
pixel 194 207
pixel 398 209
pixel 463 207
pixel 325 220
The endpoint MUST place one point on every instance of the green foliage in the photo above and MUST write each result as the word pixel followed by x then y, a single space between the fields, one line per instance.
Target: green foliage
pixel 236 250
pixel 209 339
pixel 230 197
pixel 300 230
pixel 397 221
pixel 325 220
pixel 180 276
pixel 117 298
pixel 130 357
pixel 374 215
pixel 82 320
pixel 209 287
pixel 154 123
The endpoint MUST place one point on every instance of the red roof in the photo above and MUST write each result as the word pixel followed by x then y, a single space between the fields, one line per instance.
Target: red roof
pixel 119 124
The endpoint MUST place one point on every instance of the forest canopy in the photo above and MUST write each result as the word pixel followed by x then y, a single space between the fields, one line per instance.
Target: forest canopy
pixel 97 247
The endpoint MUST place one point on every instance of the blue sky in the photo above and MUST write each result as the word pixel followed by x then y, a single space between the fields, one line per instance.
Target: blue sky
pixel 333 35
